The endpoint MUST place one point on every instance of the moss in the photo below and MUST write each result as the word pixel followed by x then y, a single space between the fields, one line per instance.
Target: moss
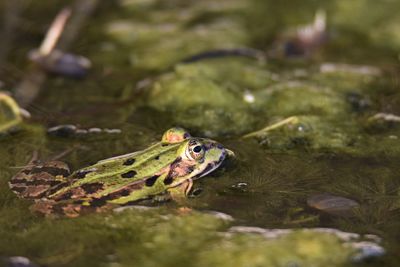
pixel 344 78
pixel 289 99
pixel 208 96
pixel 297 249
pixel 168 35
pixel 311 132
pixel 157 237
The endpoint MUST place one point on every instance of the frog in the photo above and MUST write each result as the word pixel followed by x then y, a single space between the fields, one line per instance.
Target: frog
pixel 166 168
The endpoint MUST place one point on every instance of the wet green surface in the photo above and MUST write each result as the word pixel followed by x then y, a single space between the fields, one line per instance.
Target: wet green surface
pixel 333 149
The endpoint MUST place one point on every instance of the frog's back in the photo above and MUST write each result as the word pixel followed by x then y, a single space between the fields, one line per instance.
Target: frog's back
pixel 37 179
pixel 120 175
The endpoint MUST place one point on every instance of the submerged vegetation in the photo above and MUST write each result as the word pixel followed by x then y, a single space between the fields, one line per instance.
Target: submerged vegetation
pixel 320 123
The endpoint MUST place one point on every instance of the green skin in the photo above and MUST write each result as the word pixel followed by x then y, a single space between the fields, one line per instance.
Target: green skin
pixel 170 165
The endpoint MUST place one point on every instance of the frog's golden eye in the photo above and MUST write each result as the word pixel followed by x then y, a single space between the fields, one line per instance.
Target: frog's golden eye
pixel 195 150
pixel 174 135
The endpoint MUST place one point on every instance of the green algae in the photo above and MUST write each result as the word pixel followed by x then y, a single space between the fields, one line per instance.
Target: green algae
pixel 205 96
pixel 168 35
pixel 290 99
pixel 301 249
pixel 145 238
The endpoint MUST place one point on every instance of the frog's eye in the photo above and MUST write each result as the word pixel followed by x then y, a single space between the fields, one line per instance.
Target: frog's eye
pixel 174 135
pixel 195 150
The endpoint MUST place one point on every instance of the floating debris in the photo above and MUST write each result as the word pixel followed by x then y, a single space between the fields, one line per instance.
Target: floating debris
pixel 303 41
pixel 60 63
pixel 56 61
pixel 10 113
pixel 288 121
pixel 233 52
pixel 334 205
pixel 69 130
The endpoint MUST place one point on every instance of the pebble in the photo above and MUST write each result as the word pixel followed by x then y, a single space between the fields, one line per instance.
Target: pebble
pixel 334 205
pixel 365 246
pixel 94 130
pixel 69 130
pixel 66 130
pixel 63 64
pixel 220 215
pixel 19 261
pixel 112 131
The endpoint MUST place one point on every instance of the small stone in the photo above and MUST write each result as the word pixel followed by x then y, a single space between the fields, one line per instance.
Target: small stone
pixel 81 131
pixel 248 97
pixel 133 207
pixel 65 130
pixel 19 261
pixel 94 130
pixel 354 69
pixel 63 64
pixel 240 186
pixel 221 215
pixel 334 205
pixel 112 131
pixel 366 250
pixel 385 117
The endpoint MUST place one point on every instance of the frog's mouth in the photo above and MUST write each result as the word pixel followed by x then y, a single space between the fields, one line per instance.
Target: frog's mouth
pixel 212 166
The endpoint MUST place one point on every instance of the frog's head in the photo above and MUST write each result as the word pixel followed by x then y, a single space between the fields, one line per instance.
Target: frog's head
pixel 198 157
pixel 195 158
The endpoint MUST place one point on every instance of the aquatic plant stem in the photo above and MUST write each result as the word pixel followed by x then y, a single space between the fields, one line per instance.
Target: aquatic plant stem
pixel 292 119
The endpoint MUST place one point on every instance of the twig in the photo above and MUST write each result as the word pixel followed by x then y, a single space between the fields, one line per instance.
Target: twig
pixel 54 32
pixel 30 86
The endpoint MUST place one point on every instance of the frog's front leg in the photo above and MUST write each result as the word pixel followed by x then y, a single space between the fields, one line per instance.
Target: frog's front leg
pixel 37 178
pixel 179 193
